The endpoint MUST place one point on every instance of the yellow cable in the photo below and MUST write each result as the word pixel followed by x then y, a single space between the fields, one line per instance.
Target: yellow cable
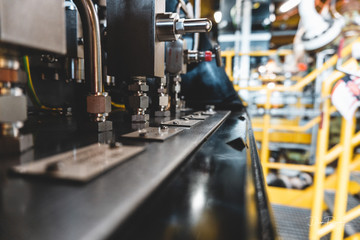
pixel 33 89
pixel 121 106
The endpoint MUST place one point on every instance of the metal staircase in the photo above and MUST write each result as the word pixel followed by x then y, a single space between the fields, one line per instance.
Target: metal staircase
pixel 353 226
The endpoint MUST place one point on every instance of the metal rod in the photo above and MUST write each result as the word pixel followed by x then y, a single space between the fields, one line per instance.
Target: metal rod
pixel 197 4
pixel 197 25
pixel 245 40
pixel 237 42
pixel 92 44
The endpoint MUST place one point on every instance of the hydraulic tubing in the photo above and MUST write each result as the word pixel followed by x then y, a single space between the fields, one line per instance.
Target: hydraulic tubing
pixel 92 44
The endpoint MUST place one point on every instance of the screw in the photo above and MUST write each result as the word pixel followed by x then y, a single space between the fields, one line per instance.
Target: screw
pixel 163 127
pixel 142 132
pixel 113 145
pixel 54 167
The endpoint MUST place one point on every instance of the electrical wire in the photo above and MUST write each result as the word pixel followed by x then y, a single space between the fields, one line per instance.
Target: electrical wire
pixel 120 106
pixel 35 99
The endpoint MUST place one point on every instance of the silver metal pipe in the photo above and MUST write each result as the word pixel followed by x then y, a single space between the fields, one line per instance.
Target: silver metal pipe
pixel 245 39
pixel 237 41
pixel 169 27
pixel 92 44
pixel 197 4
pixel 197 25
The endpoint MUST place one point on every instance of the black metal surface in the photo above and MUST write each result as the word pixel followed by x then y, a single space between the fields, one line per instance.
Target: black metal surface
pixel 264 213
pixel 138 53
pixel 210 197
pixel 71 33
pixel 33 208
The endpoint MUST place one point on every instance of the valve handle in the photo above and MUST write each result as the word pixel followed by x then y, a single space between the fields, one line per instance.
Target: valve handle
pixel 217 51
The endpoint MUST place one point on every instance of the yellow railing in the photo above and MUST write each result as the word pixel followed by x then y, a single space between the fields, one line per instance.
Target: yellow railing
pixel 324 156
pixel 346 163
pixel 264 152
pixel 229 55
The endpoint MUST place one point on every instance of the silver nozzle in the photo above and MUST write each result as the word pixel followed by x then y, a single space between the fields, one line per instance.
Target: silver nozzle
pixel 193 25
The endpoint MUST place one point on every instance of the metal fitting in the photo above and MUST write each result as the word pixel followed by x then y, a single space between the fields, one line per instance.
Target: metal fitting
pixel 140 118
pixel 9 67
pixel 138 87
pixel 99 103
pixel 77 69
pixel 169 26
pixel 92 44
pixel 139 102
pixel 163 100
pixel 136 102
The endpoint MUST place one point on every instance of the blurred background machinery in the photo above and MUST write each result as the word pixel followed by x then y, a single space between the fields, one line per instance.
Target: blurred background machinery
pixel 289 88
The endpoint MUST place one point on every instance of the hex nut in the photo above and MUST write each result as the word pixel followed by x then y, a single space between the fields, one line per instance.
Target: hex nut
pixel 140 118
pixel 162 80
pixel 162 90
pixel 177 102
pixel 98 104
pixel 177 88
pixel 162 113
pixel 163 100
pixel 9 75
pixel 97 126
pixel 139 102
pixel 137 87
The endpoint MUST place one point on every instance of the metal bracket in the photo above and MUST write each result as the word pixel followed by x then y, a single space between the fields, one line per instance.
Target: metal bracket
pixel 181 123
pixel 154 133
pixel 81 164
pixel 207 112
pixel 196 116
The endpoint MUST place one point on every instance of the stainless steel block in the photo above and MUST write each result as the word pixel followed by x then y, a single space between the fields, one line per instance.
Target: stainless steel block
pixel 12 108
pixel 163 100
pixel 36 24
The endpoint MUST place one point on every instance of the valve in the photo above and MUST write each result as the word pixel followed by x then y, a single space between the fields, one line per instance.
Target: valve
pixel 194 56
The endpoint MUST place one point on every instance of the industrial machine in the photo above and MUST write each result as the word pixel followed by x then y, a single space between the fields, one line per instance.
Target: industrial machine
pixel 95 140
